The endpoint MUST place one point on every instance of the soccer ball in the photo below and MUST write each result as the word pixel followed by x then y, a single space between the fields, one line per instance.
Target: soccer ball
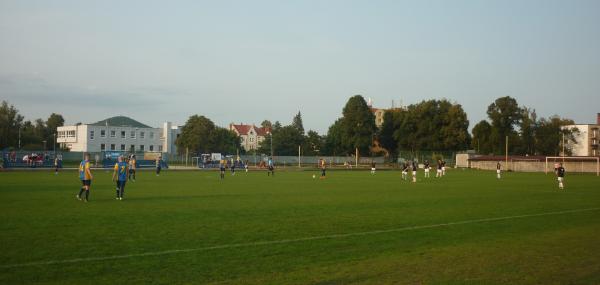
pixel 314 176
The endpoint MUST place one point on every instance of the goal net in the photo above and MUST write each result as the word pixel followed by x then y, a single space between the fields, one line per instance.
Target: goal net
pixel 574 163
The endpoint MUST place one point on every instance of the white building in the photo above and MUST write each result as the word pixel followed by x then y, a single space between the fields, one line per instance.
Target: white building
pixel 118 134
pixel 587 139
pixel 251 136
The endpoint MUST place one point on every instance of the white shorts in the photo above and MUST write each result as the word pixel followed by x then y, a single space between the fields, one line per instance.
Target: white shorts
pixel 498 171
pixel 443 168
pixel 439 171
pixel 560 179
pixel 372 168
pixel 414 173
pixel 404 172
pixel 426 169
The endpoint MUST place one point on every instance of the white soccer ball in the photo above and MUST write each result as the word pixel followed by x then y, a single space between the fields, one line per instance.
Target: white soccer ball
pixel 314 176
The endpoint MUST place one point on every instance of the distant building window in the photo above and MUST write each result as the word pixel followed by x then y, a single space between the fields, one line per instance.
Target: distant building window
pixel 102 147
pixel 160 148
pixel 142 147
pixel 151 148
pixel 142 135
pixel 151 135
pixel 112 146
pixel 132 148
pixel 132 134
pixel 251 139
pixel 91 135
pixel 122 134
pixel 102 133
pixel 123 147
pixel 113 134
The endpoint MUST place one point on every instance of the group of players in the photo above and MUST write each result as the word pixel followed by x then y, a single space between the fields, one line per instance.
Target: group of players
pixel 124 169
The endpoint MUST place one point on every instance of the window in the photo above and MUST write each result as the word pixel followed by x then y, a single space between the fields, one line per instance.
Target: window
pixel 142 147
pixel 151 135
pixel 102 133
pixel 102 147
pixel 112 146
pixel 132 134
pixel 251 139
pixel 123 147
pixel 160 148
pixel 142 135
pixel 122 134
pixel 91 135
pixel 113 134
pixel 132 148
pixel 71 134
pixel 151 148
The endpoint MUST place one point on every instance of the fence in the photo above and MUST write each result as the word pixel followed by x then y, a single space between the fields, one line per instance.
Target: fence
pixel 533 164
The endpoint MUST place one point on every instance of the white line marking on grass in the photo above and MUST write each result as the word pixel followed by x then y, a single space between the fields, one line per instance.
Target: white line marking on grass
pixel 284 241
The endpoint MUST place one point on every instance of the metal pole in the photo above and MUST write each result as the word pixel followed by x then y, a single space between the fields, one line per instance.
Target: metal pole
pixel 506 153
pixel 19 137
pixel 299 166
pixel 563 147
pixel 356 158
pixel 54 145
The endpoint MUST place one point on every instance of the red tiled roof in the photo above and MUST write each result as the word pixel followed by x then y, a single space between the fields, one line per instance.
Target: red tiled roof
pixel 245 129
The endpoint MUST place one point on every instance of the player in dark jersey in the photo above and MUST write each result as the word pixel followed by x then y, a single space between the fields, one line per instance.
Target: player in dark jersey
pixel 323 166
pixel 498 169
pixel 560 172
pixel 443 167
pixel 439 169
pixel 372 167
pixel 414 171
pixel 427 168
pixel 404 171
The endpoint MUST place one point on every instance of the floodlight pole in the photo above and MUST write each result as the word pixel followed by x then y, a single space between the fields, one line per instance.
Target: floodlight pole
pixel 54 145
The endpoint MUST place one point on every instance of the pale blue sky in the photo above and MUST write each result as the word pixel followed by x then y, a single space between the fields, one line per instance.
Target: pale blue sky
pixel 245 61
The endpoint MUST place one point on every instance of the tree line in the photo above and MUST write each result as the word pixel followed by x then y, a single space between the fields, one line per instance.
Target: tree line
pixel 430 125
pixel 29 135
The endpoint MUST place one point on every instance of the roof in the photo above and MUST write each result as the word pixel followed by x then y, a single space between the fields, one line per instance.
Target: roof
pixel 245 129
pixel 120 121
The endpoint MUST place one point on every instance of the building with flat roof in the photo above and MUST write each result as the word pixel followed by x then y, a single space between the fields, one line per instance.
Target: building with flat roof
pixel 118 133
pixel 587 139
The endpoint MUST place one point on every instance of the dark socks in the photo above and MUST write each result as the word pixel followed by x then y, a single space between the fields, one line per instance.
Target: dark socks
pixel 80 191
pixel 87 195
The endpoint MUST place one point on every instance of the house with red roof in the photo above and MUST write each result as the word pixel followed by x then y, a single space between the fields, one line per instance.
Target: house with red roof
pixel 251 136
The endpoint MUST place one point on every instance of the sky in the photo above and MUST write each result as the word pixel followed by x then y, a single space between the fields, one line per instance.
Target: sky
pixel 246 61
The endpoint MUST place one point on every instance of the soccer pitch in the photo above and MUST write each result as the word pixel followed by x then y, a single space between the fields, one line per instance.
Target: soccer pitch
pixel 351 228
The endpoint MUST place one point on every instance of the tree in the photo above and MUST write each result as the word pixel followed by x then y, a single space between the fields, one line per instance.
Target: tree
pixel 52 123
pixel 504 114
pixel 333 140
pixel 358 125
pixel 481 137
pixel 297 123
pixel 549 136
pixel 10 122
pixel 386 133
pixel 313 143
pixel 527 131
pixel 266 124
pixel 196 135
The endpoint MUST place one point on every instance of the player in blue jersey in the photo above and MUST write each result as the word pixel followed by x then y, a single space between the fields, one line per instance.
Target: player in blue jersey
pixel 85 175
pixel 120 173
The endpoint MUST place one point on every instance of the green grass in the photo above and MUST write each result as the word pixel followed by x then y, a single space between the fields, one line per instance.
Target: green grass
pixel 42 221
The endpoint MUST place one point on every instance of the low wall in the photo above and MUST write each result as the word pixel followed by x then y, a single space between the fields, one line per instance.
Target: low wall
pixel 536 166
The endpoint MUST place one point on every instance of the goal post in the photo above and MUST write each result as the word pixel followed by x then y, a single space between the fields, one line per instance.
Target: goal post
pixel 555 159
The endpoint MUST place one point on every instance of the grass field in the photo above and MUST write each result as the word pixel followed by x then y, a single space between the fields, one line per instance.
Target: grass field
pixel 192 228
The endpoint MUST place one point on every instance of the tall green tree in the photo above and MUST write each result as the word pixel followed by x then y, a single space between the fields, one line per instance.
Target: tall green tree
pixel 386 134
pixel 200 135
pixel 10 122
pixel 481 137
pixel 297 122
pixel 505 115
pixel 527 129
pixel 334 144
pixel 313 143
pixel 358 125
pixel 266 124
pixel 550 133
